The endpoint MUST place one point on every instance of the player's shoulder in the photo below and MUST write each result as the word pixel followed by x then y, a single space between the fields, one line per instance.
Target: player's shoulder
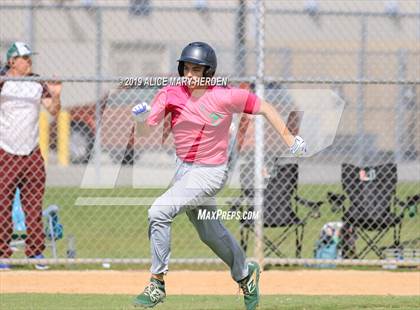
pixel 167 93
pixel 171 88
pixel 220 87
pixel 228 90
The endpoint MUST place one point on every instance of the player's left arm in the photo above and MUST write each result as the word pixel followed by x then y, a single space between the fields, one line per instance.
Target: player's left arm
pixel 296 143
pixel 51 98
pixel 271 114
pixel 242 100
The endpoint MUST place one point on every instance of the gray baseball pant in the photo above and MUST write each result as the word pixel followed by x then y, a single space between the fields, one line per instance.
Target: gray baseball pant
pixel 194 187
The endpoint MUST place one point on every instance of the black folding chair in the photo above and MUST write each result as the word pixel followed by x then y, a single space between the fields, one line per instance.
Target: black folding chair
pixel 281 207
pixel 373 207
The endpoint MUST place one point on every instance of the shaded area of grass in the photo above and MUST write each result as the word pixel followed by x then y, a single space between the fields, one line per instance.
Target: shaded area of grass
pixel 123 302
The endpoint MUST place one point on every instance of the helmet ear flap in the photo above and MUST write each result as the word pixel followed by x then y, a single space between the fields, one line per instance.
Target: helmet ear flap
pixel 181 68
pixel 208 72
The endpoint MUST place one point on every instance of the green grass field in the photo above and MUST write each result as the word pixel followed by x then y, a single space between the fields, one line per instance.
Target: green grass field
pixel 121 231
pixel 123 302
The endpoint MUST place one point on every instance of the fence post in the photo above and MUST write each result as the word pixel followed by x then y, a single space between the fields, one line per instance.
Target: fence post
pixel 360 112
pixel 400 120
pixel 30 25
pixel 99 43
pixel 259 136
pixel 240 36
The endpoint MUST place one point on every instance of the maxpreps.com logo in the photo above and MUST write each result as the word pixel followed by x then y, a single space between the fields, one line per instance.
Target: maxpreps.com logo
pixel 204 214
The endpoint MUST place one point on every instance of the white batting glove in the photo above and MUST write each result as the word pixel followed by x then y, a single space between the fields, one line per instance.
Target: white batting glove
pixel 141 111
pixel 299 147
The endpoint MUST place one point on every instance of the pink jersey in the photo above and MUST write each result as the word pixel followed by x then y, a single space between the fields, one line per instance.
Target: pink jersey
pixel 200 126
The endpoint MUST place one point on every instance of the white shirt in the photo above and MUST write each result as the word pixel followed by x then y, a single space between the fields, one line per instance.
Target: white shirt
pixel 20 103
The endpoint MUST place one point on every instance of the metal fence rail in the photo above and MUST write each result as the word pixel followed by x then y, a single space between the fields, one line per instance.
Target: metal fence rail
pixel 349 74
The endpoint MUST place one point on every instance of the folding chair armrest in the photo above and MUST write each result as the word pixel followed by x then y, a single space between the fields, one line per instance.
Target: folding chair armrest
pixel 313 205
pixel 238 203
pixel 235 203
pixel 410 205
pixel 400 203
pixel 336 201
pixel 413 200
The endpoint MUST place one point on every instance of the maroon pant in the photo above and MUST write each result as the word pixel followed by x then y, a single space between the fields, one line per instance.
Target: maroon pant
pixel 27 173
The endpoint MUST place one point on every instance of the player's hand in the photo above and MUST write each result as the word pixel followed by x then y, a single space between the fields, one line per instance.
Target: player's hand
pixel 298 147
pixel 141 111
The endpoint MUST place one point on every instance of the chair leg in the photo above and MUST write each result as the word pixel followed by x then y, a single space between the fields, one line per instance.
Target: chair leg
pixel 299 240
pixel 244 232
pixel 397 234
pixel 371 243
pixel 279 240
pixel 378 238
pixel 370 246
pixel 271 248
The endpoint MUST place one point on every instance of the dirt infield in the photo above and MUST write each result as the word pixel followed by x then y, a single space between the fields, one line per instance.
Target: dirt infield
pixel 304 282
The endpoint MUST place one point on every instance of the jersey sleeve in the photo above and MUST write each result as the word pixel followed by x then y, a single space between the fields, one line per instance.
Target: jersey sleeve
pixel 243 101
pixel 45 90
pixel 158 104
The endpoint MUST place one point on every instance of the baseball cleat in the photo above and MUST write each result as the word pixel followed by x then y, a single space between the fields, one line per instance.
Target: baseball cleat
pixel 153 294
pixel 250 286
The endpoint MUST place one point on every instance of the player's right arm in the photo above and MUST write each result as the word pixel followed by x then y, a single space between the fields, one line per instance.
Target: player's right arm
pixel 147 115
pixel 140 112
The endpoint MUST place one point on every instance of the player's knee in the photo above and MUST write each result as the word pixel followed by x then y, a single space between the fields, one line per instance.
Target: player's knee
pixel 206 238
pixel 154 214
pixel 157 213
pixel 213 237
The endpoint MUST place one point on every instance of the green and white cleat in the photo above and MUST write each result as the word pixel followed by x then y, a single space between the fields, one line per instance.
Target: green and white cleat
pixel 153 294
pixel 250 286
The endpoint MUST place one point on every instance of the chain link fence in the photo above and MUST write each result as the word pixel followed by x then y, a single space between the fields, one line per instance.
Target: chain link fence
pixel 344 75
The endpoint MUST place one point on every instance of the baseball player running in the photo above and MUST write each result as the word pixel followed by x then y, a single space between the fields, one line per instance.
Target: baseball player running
pixel 200 118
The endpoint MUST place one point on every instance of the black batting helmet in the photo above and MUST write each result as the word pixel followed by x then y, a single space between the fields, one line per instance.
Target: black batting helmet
pixel 199 53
